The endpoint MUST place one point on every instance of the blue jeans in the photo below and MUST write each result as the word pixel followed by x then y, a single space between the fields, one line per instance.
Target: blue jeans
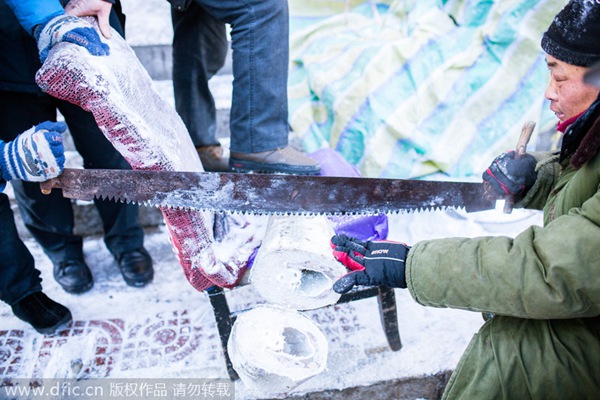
pixel 19 276
pixel 260 44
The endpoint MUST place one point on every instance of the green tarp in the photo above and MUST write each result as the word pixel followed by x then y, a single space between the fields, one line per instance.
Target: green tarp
pixel 407 89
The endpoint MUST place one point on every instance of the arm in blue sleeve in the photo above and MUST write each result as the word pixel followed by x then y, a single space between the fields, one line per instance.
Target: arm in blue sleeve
pixel 35 12
pixel 2 181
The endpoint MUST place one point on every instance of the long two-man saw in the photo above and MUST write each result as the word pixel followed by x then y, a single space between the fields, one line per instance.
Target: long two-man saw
pixel 269 194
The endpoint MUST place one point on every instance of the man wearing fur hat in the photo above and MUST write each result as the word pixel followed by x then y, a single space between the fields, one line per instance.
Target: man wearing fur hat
pixel 543 286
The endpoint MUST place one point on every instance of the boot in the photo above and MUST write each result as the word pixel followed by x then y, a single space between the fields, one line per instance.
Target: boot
pixel 136 267
pixel 286 160
pixel 42 313
pixel 212 159
pixel 74 276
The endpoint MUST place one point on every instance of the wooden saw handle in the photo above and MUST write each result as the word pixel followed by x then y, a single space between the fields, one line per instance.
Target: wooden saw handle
pixel 521 149
pixel 47 186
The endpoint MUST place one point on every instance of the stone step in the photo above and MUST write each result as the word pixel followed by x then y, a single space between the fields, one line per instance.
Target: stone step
pixel 158 61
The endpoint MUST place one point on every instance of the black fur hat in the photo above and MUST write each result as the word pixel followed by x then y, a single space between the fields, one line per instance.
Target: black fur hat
pixel 574 34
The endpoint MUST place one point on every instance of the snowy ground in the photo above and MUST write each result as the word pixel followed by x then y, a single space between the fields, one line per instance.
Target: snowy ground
pixel 168 330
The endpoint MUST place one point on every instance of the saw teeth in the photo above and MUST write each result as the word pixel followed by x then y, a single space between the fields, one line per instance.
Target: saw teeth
pixel 150 203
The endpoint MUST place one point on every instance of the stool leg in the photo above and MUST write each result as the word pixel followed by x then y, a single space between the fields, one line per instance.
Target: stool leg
pixel 389 317
pixel 224 324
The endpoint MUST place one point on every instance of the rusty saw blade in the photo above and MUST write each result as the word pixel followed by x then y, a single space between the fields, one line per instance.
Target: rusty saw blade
pixel 269 194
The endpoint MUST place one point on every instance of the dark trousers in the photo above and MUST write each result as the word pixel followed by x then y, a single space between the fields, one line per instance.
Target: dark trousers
pixel 50 218
pixel 19 276
pixel 199 52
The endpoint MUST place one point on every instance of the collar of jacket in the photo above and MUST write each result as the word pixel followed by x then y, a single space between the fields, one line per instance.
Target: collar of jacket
pixel 582 137
pixel 563 126
pixel 589 147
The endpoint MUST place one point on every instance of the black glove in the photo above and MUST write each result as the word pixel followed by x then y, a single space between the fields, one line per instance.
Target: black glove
pixel 374 263
pixel 507 176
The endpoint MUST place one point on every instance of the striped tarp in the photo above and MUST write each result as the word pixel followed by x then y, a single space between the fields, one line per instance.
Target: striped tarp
pixel 407 89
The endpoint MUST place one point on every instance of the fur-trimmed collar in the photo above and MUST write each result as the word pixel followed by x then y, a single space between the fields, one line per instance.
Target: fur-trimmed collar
pixel 589 146
pixel 581 141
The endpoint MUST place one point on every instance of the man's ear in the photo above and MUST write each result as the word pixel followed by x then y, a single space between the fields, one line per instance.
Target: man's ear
pixel 592 76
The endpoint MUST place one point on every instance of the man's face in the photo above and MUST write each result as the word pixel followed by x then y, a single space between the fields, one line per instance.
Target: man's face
pixel 567 93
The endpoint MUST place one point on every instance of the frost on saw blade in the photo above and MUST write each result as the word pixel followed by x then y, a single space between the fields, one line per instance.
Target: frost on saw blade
pixel 274 350
pixel 143 127
pixel 294 266
pixel 196 200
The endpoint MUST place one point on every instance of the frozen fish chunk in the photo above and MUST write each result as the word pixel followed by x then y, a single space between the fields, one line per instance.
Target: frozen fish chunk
pixel 295 266
pixel 275 349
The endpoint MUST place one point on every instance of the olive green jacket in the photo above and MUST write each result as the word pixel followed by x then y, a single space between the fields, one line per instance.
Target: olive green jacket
pixel 543 286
